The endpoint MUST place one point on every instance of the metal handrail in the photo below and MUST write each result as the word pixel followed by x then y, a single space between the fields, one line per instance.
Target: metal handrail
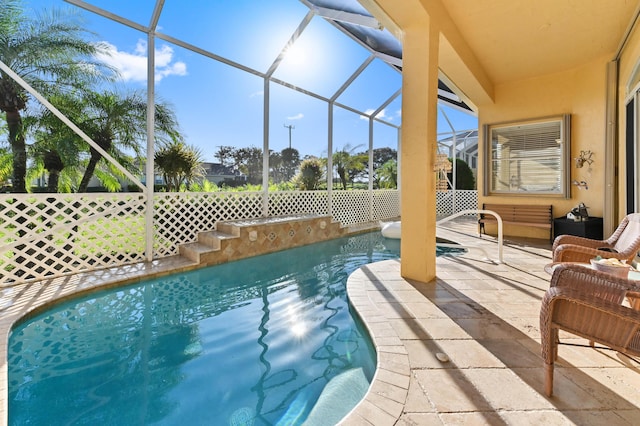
pixel 491 212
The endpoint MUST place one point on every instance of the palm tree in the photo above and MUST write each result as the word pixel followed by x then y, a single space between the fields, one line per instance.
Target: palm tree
pixel 117 123
pixel 179 163
pixel 56 149
pixel 311 170
pixel 388 174
pixel 46 51
pixel 345 161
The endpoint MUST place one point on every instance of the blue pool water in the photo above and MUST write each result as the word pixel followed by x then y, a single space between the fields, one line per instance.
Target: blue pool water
pixel 252 342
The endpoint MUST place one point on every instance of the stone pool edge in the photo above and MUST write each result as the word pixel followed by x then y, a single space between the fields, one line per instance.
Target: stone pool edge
pixel 384 401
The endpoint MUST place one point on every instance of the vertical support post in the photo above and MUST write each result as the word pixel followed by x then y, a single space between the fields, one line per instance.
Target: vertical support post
pixel 150 167
pixel 265 151
pixel 454 144
pixel 611 200
pixel 330 160
pixel 419 144
pixel 371 217
pixel 399 167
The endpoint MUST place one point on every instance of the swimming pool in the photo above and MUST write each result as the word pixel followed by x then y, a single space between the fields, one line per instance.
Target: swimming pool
pixel 264 340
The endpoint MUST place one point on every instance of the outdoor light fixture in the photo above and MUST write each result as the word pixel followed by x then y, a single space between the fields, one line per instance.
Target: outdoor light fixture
pixel 584 157
pixel 581 184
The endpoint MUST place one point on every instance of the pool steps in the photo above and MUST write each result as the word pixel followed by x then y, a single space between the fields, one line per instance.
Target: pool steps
pixel 238 239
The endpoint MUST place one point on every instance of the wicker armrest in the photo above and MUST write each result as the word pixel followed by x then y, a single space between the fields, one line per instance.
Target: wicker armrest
pixel 578 253
pixel 602 285
pixel 581 241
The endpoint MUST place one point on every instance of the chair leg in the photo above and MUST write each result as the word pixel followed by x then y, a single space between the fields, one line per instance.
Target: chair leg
pixel 548 379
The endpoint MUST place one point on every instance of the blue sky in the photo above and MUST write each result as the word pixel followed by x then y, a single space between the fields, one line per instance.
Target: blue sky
pixel 218 104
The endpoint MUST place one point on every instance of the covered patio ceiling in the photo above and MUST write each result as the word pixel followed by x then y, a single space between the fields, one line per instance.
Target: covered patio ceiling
pixel 494 42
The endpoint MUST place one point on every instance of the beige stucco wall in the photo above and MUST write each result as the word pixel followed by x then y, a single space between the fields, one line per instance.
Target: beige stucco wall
pixel 628 61
pixel 579 92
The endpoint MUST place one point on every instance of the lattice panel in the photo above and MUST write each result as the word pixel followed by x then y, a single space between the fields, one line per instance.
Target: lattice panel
pixel 464 200
pixel 45 235
pixel 386 204
pixel 350 207
pixel 297 202
pixel 178 217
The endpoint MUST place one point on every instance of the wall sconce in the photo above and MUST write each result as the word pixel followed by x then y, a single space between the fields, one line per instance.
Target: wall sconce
pixel 584 157
pixel 581 184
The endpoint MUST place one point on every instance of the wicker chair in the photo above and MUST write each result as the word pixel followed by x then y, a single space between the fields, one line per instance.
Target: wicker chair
pixel 623 244
pixel 588 303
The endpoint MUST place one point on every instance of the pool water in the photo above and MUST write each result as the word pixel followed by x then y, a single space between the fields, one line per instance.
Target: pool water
pixel 249 342
pixel 268 340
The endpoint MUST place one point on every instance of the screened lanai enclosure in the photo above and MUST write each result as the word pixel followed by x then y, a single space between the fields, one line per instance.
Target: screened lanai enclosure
pixel 263 88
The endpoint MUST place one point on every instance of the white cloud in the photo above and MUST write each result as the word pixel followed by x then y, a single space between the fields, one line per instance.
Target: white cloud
pixel 133 65
pixel 381 115
pixel 298 116
pixel 256 94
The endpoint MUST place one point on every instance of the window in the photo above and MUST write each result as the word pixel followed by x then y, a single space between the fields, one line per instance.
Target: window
pixel 528 158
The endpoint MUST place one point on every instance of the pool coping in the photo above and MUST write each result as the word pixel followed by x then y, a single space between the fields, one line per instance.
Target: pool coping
pixel 384 401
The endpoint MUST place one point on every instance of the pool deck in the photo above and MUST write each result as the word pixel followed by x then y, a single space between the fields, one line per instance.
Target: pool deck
pixel 482 315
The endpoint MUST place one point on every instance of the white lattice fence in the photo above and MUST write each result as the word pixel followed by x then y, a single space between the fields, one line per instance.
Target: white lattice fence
pixel 178 217
pixel 46 235
pixel 297 202
pixel 448 203
pixel 350 207
pixel 386 204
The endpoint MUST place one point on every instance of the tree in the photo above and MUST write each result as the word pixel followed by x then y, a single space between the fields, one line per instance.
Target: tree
pixel 5 167
pixel 290 162
pixel 310 175
pixel 464 175
pixel 179 164
pixel 275 166
pixel 382 156
pixel 388 173
pixel 224 154
pixel 344 161
pixel 46 51
pixel 117 122
pixel 56 150
pixel 249 162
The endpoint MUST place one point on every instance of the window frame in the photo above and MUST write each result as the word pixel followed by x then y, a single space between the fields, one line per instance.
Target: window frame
pixel 563 163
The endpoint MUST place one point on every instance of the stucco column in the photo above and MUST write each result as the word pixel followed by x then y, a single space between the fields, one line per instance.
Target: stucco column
pixel 419 132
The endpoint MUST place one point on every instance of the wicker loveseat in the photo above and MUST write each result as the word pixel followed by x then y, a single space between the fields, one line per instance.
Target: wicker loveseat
pixel 588 303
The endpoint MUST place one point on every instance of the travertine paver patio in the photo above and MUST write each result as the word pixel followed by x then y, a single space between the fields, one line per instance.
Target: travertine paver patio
pixel 484 317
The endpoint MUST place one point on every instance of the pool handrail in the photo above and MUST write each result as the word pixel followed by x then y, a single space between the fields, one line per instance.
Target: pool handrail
pixel 479 211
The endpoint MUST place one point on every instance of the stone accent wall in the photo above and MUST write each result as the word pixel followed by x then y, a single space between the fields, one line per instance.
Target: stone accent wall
pixel 238 239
